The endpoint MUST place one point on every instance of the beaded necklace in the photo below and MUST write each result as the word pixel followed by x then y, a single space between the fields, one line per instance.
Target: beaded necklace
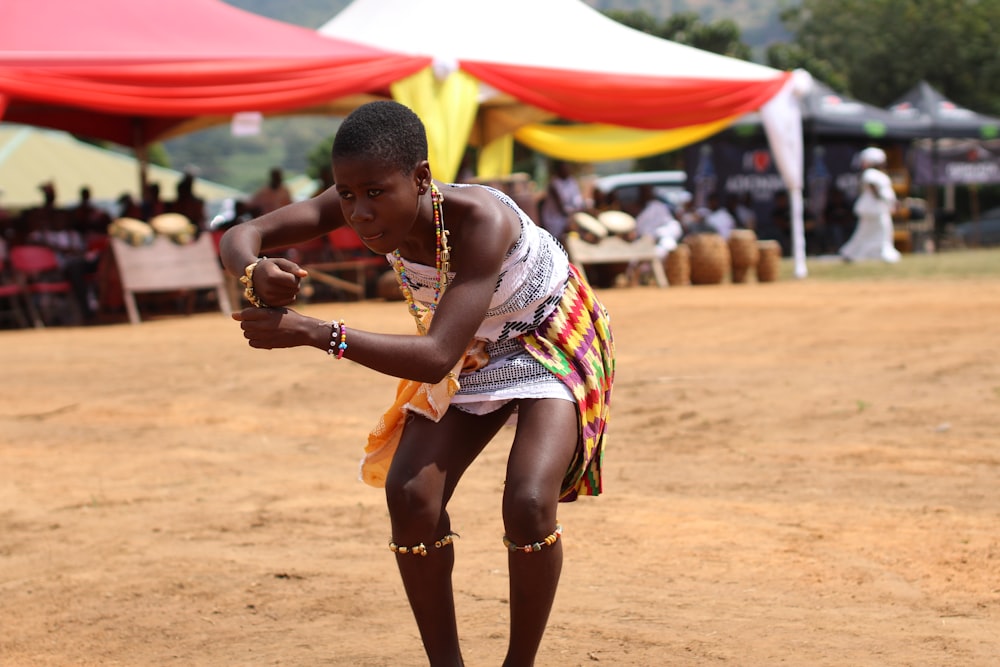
pixel 442 262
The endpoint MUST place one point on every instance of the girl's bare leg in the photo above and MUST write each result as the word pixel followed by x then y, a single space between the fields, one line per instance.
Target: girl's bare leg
pixel 425 470
pixel 543 448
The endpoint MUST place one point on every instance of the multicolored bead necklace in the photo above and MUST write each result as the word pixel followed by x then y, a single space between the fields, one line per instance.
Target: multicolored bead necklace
pixel 442 262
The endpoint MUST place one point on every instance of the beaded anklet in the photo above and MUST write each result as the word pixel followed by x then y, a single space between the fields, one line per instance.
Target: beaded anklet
pixel 420 549
pixel 338 340
pixel 247 280
pixel 551 539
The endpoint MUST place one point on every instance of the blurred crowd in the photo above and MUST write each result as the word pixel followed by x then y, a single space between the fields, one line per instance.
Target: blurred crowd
pixel 76 237
pixel 78 234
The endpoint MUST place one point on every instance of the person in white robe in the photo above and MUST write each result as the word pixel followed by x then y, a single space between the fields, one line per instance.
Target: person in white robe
pixel 873 236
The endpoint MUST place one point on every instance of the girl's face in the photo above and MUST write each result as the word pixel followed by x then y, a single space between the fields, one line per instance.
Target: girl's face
pixel 379 202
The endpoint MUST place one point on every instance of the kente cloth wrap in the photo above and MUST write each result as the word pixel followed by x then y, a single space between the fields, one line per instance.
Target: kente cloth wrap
pixel 545 335
pixel 575 344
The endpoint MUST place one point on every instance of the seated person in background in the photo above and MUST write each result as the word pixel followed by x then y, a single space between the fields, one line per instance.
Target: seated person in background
pixel 188 204
pixel 128 208
pixel 271 196
pixel 53 227
pixel 741 208
pixel 87 218
pixel 693 219
pixel 562 199
pixel 152 205
pixel 604 201
pixel 657 221
pixel 718 217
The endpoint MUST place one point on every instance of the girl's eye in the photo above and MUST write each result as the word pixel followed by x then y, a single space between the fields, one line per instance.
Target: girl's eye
pixel 345 195
pixel 374 193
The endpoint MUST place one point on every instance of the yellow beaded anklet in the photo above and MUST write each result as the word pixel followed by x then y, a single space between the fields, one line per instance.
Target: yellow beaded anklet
pixel 552 538
pixel 420 549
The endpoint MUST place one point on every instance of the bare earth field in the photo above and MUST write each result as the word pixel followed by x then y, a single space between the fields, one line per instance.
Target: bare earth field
pixel 800 473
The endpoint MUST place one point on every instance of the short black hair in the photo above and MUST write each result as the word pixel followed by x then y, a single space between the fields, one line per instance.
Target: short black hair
pixel 386 131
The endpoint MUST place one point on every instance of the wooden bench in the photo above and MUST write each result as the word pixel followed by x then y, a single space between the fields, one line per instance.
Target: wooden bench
pixel 360 270
pixel 165 266
pixel 615 250
pixel 352 265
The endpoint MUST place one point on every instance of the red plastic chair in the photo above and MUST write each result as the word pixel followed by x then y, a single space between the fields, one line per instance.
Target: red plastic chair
pixel 346 240
pixel 37 271
pixel 309 252
pixel 11 293
pixel 353 265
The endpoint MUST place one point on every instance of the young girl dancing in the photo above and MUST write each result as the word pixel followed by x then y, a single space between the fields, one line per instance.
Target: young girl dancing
pixel 505 325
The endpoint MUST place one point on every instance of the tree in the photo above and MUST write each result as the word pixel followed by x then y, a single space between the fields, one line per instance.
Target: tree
pixel 721 36
pixel 318 159
pixel 876 50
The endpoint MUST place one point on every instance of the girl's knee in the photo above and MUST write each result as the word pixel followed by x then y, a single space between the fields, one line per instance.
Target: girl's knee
pixel 412 501
pixel 527 513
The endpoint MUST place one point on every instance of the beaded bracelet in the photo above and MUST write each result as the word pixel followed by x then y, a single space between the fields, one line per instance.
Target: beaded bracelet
pixel 551 539
pixel 420 549
pixel 338 339
pixel 342 345
pixel 334 337
pixel 247 281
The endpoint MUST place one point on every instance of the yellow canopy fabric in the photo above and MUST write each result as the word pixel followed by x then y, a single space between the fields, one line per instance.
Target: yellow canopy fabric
pixel 448 107
pixel 496 159
pixel 599 143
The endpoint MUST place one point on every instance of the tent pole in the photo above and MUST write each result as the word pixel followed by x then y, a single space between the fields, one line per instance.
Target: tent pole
pixel 141 151
pixel 974 213
pixel 932 199
pixel 142 157
pixel 782 118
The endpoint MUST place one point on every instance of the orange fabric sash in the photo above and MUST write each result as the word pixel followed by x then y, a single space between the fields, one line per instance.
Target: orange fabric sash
pixel 421 398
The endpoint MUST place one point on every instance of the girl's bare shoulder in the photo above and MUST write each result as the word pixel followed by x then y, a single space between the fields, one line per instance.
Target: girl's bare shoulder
pixel 473 213
pixel 475 203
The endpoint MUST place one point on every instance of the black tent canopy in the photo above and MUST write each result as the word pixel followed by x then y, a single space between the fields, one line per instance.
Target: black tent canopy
pixel 826 113
pixel 960 145
pixel 945 119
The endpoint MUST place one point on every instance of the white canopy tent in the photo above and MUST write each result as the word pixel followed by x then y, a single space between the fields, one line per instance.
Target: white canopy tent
pixel 499 71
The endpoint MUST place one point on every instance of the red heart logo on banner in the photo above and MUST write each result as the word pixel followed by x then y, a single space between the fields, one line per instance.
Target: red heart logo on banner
pixel 761 161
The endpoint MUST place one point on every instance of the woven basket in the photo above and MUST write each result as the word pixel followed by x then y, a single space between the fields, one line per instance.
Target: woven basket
pixel 132 231
pixel 770 261
pixel 678 265
pixel 709 259
pixel 744 252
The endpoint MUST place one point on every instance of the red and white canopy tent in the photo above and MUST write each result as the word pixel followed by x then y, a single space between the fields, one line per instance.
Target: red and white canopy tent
pixel 133 72
pixel 498 72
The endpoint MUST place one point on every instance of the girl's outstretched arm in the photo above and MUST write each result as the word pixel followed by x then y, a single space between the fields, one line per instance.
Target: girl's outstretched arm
pixel 276 281
pixel 479 242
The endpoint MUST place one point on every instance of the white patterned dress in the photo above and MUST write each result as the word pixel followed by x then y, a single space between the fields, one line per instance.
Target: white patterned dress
pixel 531 283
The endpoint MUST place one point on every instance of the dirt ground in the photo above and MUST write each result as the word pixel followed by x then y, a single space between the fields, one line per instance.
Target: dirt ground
pixel 800 473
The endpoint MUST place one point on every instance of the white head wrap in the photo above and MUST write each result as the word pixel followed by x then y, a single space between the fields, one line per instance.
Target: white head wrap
pixel 873 156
